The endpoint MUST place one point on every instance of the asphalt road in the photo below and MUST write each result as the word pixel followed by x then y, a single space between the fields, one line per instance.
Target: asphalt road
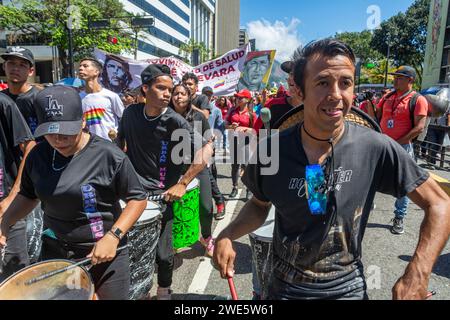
pixel 385 255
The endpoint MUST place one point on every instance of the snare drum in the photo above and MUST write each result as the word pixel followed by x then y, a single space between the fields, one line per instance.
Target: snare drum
pixel 186 222
pixel 262 252
pixel 74 284
pixel 143 237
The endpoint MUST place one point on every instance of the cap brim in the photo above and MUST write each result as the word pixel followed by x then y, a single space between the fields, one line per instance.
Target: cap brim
pixel 5 56
pixel 400 74
pixel 69 128
pixel 287 66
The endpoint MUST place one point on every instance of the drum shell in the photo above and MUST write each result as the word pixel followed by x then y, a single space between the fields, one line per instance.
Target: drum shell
pixel 186 223
pixel 261 242
pixel 143 238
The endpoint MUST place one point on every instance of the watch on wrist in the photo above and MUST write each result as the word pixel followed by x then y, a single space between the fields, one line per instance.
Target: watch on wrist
pixel 117 233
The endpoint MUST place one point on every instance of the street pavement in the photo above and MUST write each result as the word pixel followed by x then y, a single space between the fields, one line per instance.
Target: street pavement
pixel 385 256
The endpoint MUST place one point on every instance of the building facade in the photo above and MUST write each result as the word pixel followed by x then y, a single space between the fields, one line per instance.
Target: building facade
pixel 243 37
pixel 437 55
pixel 227 25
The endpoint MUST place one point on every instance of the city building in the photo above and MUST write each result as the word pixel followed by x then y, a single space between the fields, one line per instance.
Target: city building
pixel 243 37
pixel 227 25
pixel 437 55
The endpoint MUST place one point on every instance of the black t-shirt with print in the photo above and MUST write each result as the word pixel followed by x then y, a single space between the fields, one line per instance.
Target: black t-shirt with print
pixel 81 197
pixel 25 103
pixel 149 145
pixel 313 249
pixel 13 132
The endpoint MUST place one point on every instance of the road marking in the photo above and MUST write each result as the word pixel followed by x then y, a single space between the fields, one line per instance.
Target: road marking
pixel 201 277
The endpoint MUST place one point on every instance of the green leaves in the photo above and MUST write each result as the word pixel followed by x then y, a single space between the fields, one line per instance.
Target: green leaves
pixel 47 19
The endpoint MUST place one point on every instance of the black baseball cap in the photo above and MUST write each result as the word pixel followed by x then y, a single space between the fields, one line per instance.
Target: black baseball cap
pixel 405 71
pixel 206 90
pixel 287 66
pixel 59 111
pixel 153 71
pixel 18 52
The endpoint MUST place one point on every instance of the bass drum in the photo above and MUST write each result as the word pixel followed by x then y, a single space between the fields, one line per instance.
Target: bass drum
pixel 74 284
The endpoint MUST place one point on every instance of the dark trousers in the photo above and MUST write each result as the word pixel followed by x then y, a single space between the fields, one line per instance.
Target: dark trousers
pixel 16 253
pixel 436 137
pixel 164 252
pixel 216 194
pixel 205 208
pixel 235 173
pixel 111 279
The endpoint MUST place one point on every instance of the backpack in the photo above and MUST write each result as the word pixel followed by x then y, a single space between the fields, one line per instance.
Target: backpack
pixel 412 105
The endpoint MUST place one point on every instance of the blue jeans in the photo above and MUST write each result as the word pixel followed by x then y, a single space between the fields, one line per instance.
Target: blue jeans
pixel 401 205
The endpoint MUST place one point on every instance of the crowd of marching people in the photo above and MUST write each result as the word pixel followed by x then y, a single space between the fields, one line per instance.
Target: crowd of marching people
pixel 76 153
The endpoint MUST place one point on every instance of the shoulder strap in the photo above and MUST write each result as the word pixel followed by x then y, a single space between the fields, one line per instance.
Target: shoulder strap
pixel 390 94
pixel 412 107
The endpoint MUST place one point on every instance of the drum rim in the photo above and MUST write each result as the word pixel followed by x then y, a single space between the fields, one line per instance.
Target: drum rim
pixel 148 221
pixel 354 110
pixel 92 289
pixel 258 237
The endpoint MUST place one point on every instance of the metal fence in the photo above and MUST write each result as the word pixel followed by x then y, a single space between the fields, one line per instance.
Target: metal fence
pixel 434 154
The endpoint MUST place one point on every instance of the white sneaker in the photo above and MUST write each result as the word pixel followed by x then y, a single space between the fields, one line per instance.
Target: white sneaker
pixel 163 293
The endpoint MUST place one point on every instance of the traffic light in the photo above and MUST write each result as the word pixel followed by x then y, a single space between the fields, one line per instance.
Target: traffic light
pixel 112 40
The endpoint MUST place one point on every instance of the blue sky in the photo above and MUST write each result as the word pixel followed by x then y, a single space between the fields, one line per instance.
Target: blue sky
pixel 287 23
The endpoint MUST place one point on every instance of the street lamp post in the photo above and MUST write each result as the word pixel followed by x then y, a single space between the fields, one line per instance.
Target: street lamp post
pixel 387 60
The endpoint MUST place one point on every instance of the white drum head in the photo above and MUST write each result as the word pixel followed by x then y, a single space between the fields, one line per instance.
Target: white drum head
pixel 150 213
pixel 194 184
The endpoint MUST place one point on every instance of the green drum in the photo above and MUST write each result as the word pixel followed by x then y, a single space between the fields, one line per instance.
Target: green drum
pixel 186 223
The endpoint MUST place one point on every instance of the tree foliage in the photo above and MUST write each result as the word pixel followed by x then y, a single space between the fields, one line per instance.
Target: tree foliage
pixel 188 48
pixel 47 20
pixel 407 34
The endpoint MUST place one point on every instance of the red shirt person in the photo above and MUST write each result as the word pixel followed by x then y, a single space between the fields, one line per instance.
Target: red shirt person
pixel 395 120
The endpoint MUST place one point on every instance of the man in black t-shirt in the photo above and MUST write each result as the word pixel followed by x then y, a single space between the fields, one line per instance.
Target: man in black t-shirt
pixel 15 140
pixel 329 172
pixel 18 66
pixel 145 132
pixel 201 102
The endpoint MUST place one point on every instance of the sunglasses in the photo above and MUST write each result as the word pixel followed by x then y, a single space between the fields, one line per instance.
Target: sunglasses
pixel 316 190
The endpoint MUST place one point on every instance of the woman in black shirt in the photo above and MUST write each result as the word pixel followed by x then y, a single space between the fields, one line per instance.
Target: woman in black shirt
pixel 181 102
pixel 79 178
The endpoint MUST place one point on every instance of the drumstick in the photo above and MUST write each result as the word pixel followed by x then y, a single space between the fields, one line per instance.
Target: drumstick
pixel 56 272
pixel 232 288
pixel 160 198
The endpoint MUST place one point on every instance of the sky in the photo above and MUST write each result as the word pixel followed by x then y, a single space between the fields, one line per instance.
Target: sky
pixel 285 24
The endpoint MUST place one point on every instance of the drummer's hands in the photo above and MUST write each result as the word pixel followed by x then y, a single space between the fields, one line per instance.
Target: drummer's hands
pixel 104 250
pixel 224 256
pixel 175 193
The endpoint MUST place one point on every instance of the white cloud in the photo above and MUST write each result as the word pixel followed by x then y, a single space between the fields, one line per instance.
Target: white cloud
pixel 279 36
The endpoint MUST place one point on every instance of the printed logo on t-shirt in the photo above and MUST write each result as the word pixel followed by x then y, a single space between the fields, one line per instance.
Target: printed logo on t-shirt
pixel 53 109
pixel 94 116
pixel 2 193
pixel 341 176
pixel 163 164
pixel 90 209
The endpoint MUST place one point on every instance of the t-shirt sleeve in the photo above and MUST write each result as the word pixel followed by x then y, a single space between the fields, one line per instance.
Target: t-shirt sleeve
pixel 117 106
pixel 127 182
pixel 253 179
pixel 399 173
pixel 26 184
pixel 18 126
pixel 381 103
pixel 421 108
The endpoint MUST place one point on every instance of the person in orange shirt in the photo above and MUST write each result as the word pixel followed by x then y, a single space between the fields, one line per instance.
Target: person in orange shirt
pixel 394 115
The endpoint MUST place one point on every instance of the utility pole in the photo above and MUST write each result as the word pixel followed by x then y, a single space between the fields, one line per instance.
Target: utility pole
pixel 70 51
